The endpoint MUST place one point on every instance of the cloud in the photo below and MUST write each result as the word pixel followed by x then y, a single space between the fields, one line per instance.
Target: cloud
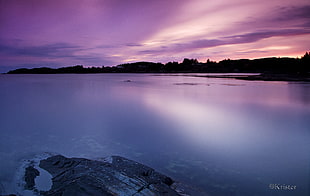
pixel 113 31
pixel 63 53
pixel 134 44
pixel 293 13
pixel 94 60
pixel 206 43
pixel 245 25
pixel 227 40
pixel 107 22
pixel 280 17
pixel 155 51
pixel 56 50
pixel 256 36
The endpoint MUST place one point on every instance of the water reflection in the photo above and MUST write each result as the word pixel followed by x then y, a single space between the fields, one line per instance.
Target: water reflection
pixel 300 92
pixel 228 137
pixel 204 124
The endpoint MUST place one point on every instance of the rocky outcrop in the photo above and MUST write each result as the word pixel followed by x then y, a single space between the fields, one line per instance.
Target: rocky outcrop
pixel 30 174
pixel 113 176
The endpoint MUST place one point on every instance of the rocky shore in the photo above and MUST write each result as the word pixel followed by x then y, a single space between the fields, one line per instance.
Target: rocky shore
pixel 111 176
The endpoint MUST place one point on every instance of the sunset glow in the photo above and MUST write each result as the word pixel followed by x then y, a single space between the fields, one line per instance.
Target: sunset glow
pixel 110 32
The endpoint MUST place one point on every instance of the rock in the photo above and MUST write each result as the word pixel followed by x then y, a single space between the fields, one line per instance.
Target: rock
pixel 9 195
pixel 30 174
pixel 113 176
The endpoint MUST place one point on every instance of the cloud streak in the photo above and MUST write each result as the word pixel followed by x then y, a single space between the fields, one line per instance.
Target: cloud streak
pixel 50 50
pixel 229 40
pixel 64 53
pixel 115 31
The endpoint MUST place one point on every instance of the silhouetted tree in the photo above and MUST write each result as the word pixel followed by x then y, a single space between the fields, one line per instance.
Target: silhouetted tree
pixel 264 65
pixel 187 61
pixel 306 56
pixel 305 63
pixel 171 66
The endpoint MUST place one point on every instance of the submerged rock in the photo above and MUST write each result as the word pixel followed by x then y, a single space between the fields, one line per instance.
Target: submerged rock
pixel 113 176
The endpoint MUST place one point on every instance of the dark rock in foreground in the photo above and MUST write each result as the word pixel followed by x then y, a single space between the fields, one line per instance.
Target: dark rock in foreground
pixel 113 176
pixel 6 194
pixel 30 174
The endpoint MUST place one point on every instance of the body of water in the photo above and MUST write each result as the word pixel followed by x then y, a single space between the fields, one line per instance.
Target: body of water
pixel 222 136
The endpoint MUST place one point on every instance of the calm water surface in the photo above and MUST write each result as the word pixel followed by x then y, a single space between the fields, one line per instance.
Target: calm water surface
pixel 223 136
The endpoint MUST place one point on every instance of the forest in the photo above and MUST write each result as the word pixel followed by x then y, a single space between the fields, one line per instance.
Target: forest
pixel 284 65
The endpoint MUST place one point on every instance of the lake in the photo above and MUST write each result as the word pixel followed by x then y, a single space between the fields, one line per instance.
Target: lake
pixel 221 136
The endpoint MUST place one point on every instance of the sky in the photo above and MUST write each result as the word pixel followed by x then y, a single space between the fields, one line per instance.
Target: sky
pixel 57 33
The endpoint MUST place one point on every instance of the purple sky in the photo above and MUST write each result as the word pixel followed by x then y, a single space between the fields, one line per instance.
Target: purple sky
pixel 109 32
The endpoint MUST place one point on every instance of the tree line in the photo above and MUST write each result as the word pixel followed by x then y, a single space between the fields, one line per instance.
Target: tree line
pixel 262 65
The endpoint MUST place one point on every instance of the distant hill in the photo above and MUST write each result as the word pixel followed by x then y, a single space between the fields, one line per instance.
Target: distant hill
pixel 264 65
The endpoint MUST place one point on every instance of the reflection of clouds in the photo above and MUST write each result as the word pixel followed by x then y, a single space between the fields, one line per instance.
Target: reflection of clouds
pixel 300 92
pixel 264 93
pixel 203 124
pixel 248 135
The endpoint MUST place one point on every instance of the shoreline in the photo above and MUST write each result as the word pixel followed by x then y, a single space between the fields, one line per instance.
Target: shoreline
pixel 239 76
pixel 262 77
